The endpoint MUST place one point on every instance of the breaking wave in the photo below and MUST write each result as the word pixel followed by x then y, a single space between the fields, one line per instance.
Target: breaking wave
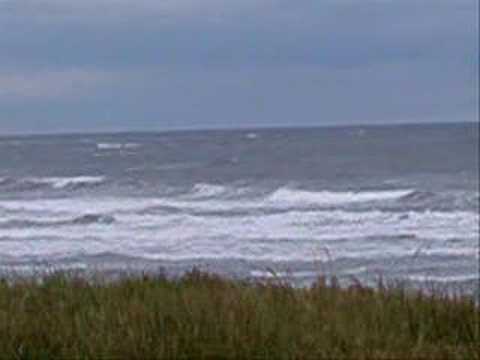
pixel 117 146
pixel 200 191
pixel 444 279
pixel 33 183
pixel 88 219
pixel 295 196
pixel 5 181
pixel 418 196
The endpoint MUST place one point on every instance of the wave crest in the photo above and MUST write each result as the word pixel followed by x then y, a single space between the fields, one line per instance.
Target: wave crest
pixel 117 146
pixel 64 182
pixel 88 219
pixel 34 183
pixel 418 195
pixel 200 191
pixel 295 196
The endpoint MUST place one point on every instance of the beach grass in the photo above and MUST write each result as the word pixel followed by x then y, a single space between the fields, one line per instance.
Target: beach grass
pixel 204 316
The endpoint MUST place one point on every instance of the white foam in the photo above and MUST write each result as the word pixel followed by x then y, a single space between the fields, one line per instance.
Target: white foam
pixel 283 274
pixel 444 279
pixel 163 167
pixel 295 196
pixel 282 199
pixel 109 146
pixel 289 236
pixel 34 269
pixel 117 146
pixel 470 251
pixel 62 182
pixel 311 223
pixel 251 136
pixel 79 205
pixel 293 235
pixel 202 190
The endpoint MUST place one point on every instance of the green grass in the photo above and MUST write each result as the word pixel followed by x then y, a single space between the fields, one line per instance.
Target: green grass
pixel 204 316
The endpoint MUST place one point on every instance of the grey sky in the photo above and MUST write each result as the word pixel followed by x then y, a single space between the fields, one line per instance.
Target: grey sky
pixel 70 65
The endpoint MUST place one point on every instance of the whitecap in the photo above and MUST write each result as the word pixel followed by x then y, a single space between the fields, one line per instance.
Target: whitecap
pixel 117 146
pixel 283 274
pixel 444 279
pixel 63 182
pixel 203 190
pixel 87 219
pixel 296 196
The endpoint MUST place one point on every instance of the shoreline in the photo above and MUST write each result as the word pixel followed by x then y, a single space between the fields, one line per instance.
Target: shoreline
pixel 299 275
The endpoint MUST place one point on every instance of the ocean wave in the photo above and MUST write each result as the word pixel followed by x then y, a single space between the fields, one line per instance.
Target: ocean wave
pixel 218 197
pixel 165 167
pixel 117 146
pixel 447 200
pixel 212 201
pixel 192 239
pixel 222 202
pixel 418 195
pixel 296 196
pixel 93 219
pixel 5 181
pixel 76 205
pixel 444 279
pixel 87 219
pixel 34 183
pixel 292 253
pixel 265 274
pixel 344 228
pixel 201 191
pixel 64 182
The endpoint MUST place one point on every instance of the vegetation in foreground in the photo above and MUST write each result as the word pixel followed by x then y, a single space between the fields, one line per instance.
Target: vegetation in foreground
pixel 204 316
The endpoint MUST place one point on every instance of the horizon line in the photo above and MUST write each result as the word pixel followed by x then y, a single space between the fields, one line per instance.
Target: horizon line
pixel 233 128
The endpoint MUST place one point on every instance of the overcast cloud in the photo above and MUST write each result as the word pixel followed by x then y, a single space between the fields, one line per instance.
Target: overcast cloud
pixel 121 64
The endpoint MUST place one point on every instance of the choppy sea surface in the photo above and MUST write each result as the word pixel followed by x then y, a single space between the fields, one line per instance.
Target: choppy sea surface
pixel 401 202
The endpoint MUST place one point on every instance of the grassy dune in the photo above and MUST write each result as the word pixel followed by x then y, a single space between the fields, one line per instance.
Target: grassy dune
pixel 204 316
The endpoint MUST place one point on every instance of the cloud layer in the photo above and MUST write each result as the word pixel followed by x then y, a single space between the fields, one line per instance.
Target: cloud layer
pixel 118 64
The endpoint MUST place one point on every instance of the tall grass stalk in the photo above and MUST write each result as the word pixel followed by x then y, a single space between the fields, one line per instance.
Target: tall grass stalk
pixel 203 316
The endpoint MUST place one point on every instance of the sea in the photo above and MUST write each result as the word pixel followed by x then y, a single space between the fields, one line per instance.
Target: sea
pixel 400 203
